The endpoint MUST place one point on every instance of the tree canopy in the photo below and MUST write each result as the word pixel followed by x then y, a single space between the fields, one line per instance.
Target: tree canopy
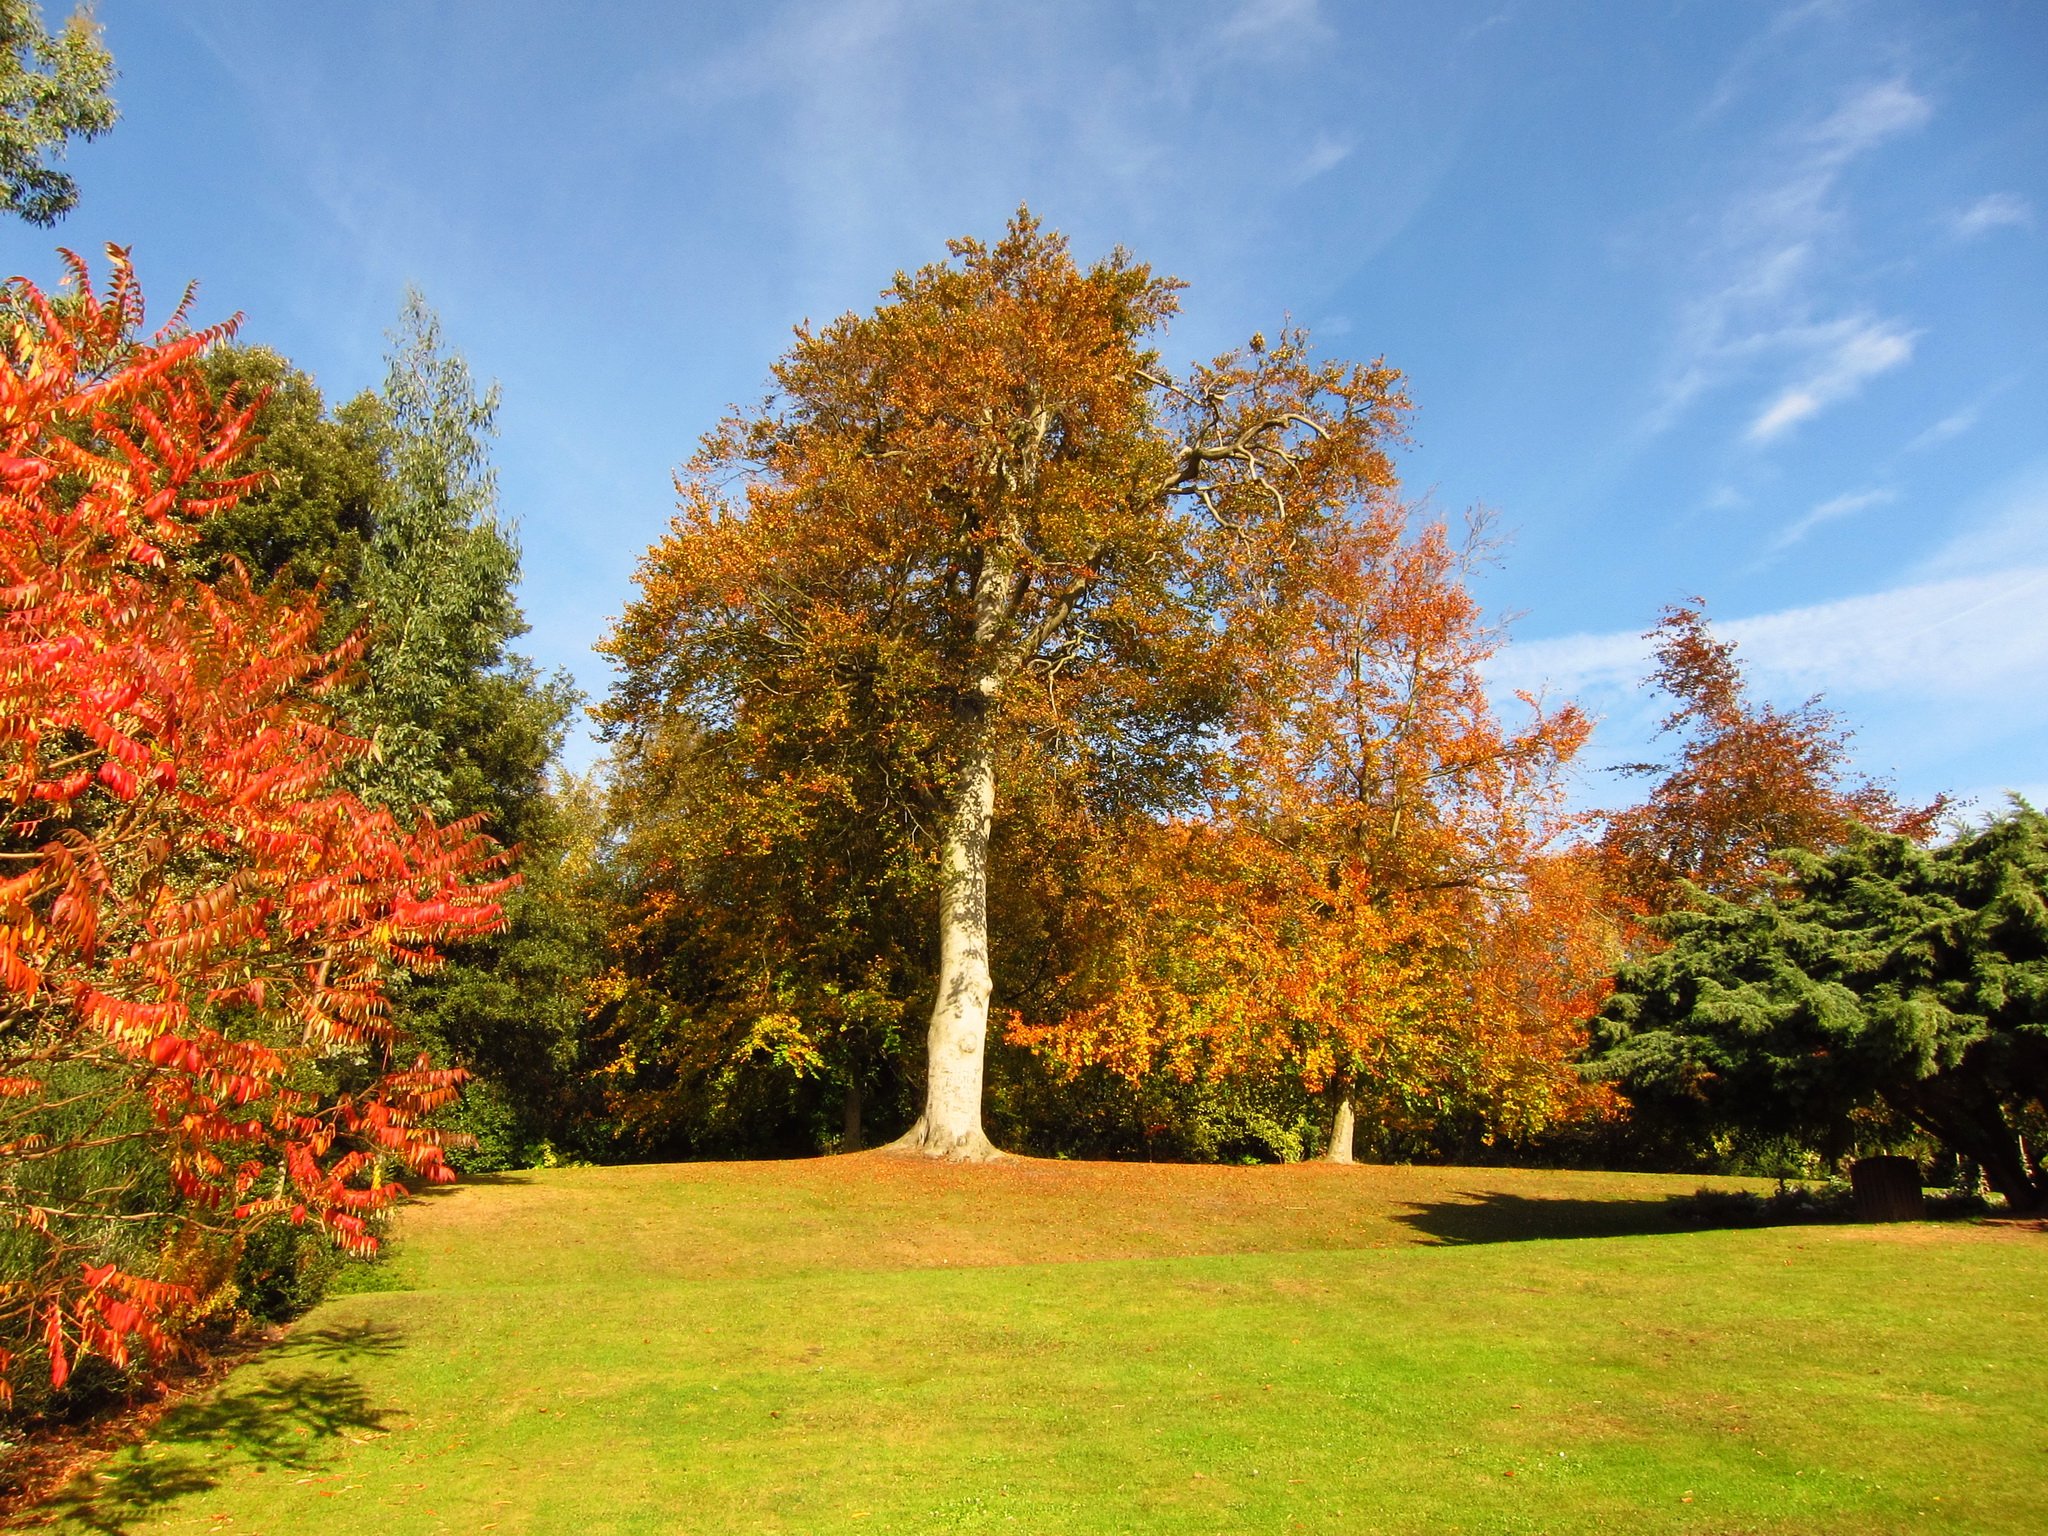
pixel 197 924
pixel 983 527
pixel 1882 974
pixel 383 509
pixel 1750 780
pixel 53 89
pixel 986 616
pixel 1378 902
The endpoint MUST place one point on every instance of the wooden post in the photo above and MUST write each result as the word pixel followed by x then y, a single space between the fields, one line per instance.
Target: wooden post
pixel 1887 1189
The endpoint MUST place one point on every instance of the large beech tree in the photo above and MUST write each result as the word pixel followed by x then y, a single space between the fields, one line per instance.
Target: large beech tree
pixel 196 925
pixel 987 512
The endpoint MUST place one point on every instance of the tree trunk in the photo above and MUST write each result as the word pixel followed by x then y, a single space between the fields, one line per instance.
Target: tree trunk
pixel 950 1126
pixel 1343 1132
pixel 2005 1170
pixel 1968 1118
pixel 849 1134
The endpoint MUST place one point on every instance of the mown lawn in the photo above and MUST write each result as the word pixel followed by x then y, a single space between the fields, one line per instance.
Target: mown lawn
pixel 869 1344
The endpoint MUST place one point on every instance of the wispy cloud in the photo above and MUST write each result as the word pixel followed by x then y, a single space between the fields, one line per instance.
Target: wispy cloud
pixel 1972 637
pixel 1478 29
pixel 2000 210
pixel 885 126
pixel 1831 510
pixel 1326 154
pixel 1760 301
pixel 1861 350
pixel 1740 76
pixel 2009 531
pixel 1955 424
pixel 1270 21
pixel 1971 623
pixel 1869 117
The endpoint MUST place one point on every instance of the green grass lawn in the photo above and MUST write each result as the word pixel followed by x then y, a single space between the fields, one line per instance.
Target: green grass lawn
pixel 870 1344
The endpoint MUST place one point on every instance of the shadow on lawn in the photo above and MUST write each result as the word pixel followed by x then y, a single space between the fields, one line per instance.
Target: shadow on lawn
pixel 517 1178
pixel 1490 1217
pixel 365 1339
pixel 283 1422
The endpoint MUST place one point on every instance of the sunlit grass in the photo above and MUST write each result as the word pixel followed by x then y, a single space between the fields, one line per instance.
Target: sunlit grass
pixel 868 1344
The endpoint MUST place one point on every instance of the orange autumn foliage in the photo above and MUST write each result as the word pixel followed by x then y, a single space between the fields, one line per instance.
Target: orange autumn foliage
pixel 1139 682
pixel 1750 781
pixel 195 926
pixel 1380 901
pixel 965 564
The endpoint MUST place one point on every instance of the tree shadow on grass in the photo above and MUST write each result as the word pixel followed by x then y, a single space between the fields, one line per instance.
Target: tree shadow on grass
pixel 285 1421
pixel 1487 1216
pixel 516 1178
pixel 364 1339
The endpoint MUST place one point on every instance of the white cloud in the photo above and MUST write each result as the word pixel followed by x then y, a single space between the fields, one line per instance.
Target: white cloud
pixel 1922 672
pixel 2000 210
pixel 1326 154
pixel 1874 114
pixel 1972 637
pixel 886 126
pixel 1864 349
pixel 1955 424
pixel 1975 636
pixel 1740 76
pixel 2008 532
pixel 1269 21
pixel 1478 29
pixel 1759 301
pixel 1571 664
pixel 1834 508
pixel 1969 624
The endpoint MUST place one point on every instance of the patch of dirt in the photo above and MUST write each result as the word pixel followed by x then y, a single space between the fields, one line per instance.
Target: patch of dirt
pixel 53 1453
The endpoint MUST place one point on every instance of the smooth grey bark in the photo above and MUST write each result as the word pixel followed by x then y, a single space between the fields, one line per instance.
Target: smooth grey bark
pixel 1343 1132
pixel 956 1042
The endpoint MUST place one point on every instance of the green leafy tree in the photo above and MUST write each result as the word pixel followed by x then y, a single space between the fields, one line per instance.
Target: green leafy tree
pixel 53 88
pixel 465 727
pixel 387 505
pixel 309 519
pixel 437 575
pixel 1882 975
pixel 768 941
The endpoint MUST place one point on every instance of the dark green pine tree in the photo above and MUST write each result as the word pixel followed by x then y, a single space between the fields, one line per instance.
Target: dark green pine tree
pixel 1882 975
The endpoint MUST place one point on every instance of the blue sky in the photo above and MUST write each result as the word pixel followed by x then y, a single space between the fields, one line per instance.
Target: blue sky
pixel 1740 299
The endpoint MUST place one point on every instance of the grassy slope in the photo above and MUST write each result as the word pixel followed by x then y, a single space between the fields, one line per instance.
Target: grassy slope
pixel 868 1344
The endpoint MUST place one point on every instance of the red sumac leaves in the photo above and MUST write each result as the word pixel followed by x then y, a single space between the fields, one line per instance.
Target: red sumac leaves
pixel 192 915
